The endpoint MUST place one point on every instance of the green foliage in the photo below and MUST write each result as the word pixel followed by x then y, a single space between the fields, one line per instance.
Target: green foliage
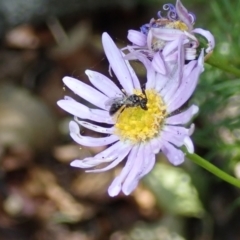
pixel 174 190
pixel 218 122
pixel 217 134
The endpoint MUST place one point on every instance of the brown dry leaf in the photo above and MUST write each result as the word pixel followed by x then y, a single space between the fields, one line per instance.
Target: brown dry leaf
pixel 69 152
pixel 92 185
pixel 43 182
pixel 5 220
pixel 146 201
pixel 52 231
pixel 18 156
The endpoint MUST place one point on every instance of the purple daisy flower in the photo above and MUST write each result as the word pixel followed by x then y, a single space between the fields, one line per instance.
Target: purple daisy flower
pixel 160 39
pixel 137 133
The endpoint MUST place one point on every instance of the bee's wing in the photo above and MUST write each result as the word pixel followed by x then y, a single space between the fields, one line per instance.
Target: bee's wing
pixel 110 101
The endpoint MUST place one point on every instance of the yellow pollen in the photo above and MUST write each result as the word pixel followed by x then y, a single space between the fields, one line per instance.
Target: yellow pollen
pixel 178 25
pixel 139 125
pixel 158 43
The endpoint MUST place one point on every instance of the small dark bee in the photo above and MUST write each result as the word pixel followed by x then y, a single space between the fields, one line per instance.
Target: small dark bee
pixel 119 104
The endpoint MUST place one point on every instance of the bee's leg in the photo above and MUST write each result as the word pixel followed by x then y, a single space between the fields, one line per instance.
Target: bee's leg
pixel 143 102
pixel 143 105
pixel 119 111
pixel 143 90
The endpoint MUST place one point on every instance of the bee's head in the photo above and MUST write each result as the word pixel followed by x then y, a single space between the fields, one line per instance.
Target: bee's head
pixel 143 103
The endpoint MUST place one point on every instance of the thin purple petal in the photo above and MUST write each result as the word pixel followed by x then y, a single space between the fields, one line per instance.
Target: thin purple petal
pixel 149 39
pixel 172 138
pixel 117 63
pixel 187 87
pixel 189 144
pixel 104 84
pixel 124 152
pixel 174 84
pixel 104 115
pixel 174 155
pixel 167 34
pixel 89 141
pixel 79 110
pixel 190 53
pixel 156 144
pixel 151 75
pixel 170 47
pixel 102 157
pixel 208 36
pixel 171 78
pixel 85 91
pixel 75 108
pixel 137 38
pixel 148 163
pixel 130 182
pixel 163 82
pixel 177 130
pixel 183 117
pixel 158 63
pixel 188 68
pixel 183 14
pixel 116 186
pixel 136 83
pixel 107 153
pixel 95 127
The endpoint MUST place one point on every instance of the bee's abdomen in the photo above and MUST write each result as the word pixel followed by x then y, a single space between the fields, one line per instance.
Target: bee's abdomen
pixel 114 108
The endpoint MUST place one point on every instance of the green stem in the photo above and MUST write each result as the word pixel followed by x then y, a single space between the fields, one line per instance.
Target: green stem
pixel 221 63
pixel 213 169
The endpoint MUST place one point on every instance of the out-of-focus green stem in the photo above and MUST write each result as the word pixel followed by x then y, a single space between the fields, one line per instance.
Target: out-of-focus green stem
pixel 213 169
pixel 218 61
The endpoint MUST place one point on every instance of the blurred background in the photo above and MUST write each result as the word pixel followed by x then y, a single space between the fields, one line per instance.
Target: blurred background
pixel 41 196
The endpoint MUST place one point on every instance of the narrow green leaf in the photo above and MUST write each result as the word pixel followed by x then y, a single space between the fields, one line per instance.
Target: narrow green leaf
pixel 218 62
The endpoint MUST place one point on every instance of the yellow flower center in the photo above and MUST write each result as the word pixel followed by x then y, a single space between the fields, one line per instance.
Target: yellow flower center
pixel 166 23
pixel 178 25
pixel 139 125
pixel 158 43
